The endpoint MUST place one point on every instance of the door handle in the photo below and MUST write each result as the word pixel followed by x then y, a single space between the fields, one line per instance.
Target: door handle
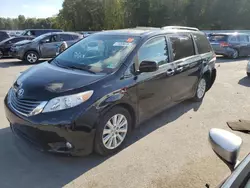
pixel 170 72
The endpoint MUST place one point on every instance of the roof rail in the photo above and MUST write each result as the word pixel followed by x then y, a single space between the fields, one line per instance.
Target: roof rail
pixel 181 27
pixel 145 28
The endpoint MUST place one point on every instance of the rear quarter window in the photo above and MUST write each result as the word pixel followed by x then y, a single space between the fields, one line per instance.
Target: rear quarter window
pixel 202 43
pixel 182 46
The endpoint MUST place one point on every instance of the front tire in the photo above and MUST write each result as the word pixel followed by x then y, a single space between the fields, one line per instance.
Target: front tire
pixel 31 57
pixel 248 74
pixel 201 90
pixel 112 131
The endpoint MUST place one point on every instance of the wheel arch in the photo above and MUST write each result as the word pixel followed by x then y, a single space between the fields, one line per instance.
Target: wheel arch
pixel 126 106
pixel 210 76
pixel 31 50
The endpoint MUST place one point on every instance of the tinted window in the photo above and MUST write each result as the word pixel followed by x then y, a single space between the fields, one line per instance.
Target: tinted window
pixel 65 37
pixel 75 37
pixel 218 38
pixel 182 46
pixel 154 50
pixel 202 43
pixel 233 39
pixel 50 39
pixel 243 38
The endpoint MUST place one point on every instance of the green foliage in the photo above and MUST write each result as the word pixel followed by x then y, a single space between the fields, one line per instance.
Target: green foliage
pixel 82 15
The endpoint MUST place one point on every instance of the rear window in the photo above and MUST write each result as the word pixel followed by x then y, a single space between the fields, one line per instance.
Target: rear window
pixel 202 43
pixel 218 38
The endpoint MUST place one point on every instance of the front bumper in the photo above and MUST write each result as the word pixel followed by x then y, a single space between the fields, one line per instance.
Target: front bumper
pixel 51 138
pixel 16 53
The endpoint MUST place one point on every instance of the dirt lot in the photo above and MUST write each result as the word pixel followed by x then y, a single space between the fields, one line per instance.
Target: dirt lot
pixel 170 150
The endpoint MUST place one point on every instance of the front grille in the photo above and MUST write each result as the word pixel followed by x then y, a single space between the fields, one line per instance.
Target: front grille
pixel 22 106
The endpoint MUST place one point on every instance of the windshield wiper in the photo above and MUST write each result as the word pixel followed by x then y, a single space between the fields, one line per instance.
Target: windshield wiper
pixel 84 68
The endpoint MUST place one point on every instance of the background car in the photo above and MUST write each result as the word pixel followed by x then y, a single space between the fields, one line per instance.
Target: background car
pixel 6 44
pixel 231 45
pixel 227 146
pixel 3 35
pixel 44 46
pixel 38 32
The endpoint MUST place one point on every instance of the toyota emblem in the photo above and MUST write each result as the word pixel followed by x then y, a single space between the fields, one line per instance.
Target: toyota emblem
pixel 20 93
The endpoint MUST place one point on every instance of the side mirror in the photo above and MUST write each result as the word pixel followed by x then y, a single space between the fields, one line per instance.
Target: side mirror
pixel 226 145
pixel 148 66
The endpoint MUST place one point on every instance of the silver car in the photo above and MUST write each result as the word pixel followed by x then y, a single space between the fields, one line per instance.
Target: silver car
pixel 248 69
pixel 44 46
pixel 227 146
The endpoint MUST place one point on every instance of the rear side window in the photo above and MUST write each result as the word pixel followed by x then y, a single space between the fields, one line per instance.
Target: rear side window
pixel 65 37
pixel 154 50
pixel 75 37
pixel 202 43
pixel 243 38
pixel 182 46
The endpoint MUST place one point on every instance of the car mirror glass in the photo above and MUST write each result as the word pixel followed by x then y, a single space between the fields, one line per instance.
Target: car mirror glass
pixel 148 66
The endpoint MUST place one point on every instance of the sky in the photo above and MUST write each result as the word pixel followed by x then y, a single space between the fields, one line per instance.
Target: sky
pixel 30 8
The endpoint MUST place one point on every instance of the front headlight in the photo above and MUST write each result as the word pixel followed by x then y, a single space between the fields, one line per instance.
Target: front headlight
pixel 65 102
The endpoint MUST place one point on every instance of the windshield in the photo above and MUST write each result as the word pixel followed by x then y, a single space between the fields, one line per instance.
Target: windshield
pixel 218 38
pixel 40 37
pixel 98 53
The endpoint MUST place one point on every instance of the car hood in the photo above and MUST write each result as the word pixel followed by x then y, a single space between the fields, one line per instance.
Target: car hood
pixel 23 42
pixel 45 81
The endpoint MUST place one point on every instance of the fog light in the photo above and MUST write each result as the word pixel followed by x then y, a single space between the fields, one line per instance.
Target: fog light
pixel 69 145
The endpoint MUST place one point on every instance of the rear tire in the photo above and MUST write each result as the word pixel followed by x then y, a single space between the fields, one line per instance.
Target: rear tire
pixel 201 90
pixel 248 74
pixel 235 54
pixel 31 57
pixel 112 131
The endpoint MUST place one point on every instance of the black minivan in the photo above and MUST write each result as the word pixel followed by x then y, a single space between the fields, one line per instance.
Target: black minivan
pixel 90 97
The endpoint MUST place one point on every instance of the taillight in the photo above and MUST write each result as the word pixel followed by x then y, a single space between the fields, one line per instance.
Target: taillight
pixel 224 44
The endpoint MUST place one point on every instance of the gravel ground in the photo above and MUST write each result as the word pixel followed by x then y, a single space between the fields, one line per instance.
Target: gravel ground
pixel 170 150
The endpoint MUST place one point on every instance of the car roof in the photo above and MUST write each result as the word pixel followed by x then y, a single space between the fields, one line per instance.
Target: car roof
pixel 229 34
pixel 57 33
pixel 43 30
pixel 146 31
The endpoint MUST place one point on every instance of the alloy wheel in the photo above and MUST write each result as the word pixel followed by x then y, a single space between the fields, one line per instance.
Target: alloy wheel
pixel 115 131
pixel 32 58
pixel 201 88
